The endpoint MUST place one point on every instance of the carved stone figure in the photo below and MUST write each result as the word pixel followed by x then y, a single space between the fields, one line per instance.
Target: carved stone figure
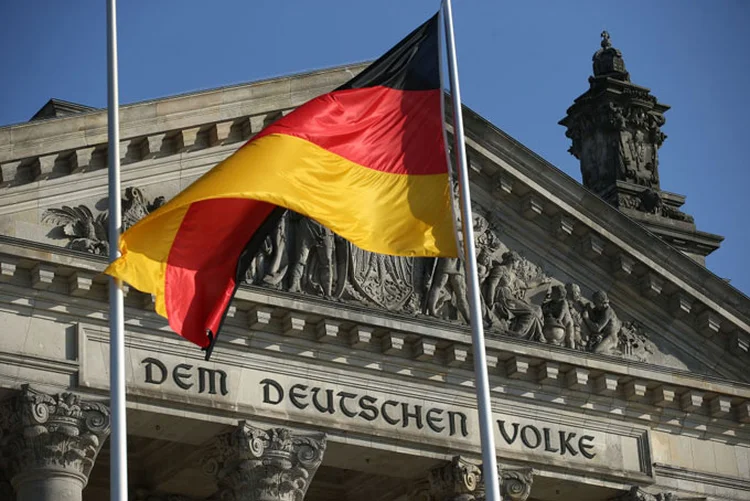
pixel 270 265
pixel 603 325
pixel 135 206
pixel 313 259
pixel 577 304
pixel 87 232
pixel 448 280
pixel 559 328
pixel 272 465
pixel 448 283
pixel 505 294
pixel 301 256
pixel 633 343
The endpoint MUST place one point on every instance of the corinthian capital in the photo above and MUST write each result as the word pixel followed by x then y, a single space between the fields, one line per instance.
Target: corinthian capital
pixel 250 464
pixel 637 494
pixel 515 485
pixel 41 434
pixel 459 480
pixel 463 480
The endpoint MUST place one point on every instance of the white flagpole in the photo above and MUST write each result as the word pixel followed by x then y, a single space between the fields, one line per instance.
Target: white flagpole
pixel 118 462
pixel 489 461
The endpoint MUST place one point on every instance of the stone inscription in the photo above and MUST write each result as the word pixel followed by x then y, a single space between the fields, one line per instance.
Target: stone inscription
pixel 380 410
pixel 352 405
pixel 563 442
pixel 184 375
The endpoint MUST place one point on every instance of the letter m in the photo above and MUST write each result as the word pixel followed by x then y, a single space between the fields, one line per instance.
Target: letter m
pixel 210 376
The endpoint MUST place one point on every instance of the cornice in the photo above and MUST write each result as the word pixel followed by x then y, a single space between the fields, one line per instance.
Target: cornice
pixel 610 239
pixel 69 284
pixel 46 137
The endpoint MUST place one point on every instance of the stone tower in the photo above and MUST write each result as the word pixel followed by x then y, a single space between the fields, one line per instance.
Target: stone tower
pixel 616 131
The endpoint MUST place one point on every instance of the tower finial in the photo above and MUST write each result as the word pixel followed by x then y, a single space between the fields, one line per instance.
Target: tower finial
pixel 608 60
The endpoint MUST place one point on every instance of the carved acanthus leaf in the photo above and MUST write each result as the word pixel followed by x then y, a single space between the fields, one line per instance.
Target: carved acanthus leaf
pixel 39 431
pixel 249 463
pixel 638 494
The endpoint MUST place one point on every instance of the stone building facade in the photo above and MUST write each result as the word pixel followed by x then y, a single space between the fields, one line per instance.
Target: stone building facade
pixel 618 362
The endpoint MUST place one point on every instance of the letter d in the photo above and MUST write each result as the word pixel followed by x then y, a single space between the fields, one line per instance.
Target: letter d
pixel 267 385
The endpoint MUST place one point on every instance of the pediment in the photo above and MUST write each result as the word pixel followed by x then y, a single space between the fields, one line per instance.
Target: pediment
pixel 559 267
pixel 536 287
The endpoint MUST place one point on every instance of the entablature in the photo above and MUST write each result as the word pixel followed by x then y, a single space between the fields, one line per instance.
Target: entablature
pixel 47 281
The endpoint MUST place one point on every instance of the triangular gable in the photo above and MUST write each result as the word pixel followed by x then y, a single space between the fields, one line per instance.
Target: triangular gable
pixel 542 236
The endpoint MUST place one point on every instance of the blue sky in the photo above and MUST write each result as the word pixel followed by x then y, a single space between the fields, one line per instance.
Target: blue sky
pixel 521 63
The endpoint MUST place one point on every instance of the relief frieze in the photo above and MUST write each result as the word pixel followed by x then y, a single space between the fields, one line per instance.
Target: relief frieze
pixel 518 298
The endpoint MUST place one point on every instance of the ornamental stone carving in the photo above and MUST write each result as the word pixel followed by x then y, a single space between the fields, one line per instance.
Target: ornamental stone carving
pixel 638 494
pixel 250 464
pixel 47 437
pixel 515 485
pixel 88 232
pixel 518 298
pixel 463 480
pixel 615 129
pixel 459 480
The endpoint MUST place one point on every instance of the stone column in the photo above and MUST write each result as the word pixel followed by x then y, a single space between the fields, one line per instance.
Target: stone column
pixel 462 480
pixel 250 464
pixel 48 443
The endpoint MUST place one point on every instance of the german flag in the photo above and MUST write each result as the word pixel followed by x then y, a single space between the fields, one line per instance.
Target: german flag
pixel 366 160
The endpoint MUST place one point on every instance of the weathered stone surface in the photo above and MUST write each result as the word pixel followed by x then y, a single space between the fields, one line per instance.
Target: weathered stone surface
pixel 459 480
pixel 515 484
pixel 639 494
pixel 463 480
pixel 49 443
pixel 250 464
pixel 615 128
pixel 87 232
pixel 616 136
pixel 519 299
